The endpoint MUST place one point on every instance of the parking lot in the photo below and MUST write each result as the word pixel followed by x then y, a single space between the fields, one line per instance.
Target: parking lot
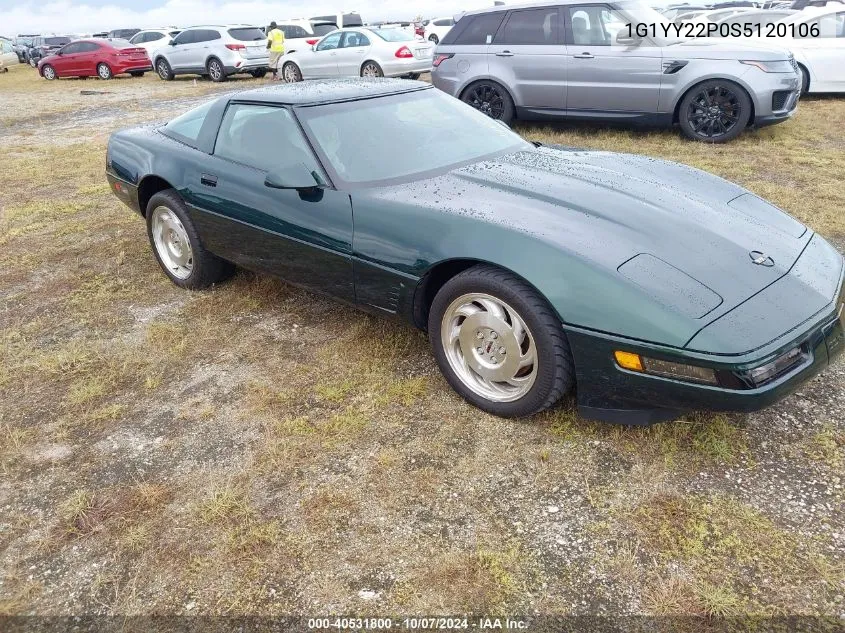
pixel 255 449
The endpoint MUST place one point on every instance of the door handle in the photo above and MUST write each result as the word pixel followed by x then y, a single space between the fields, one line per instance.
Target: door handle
pixel 504 54
pixel 208 180
pixel 584 56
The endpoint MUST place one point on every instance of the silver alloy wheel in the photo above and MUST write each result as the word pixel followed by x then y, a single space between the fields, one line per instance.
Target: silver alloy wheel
pixel 370 70
pixel 162 68
pixel 215 70
pixel 49 72
pixel 104 71
pixel 290 73
pixel 172 243
pixel 489 347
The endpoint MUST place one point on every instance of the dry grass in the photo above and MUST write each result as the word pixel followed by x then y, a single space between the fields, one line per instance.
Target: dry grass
pixel 255 449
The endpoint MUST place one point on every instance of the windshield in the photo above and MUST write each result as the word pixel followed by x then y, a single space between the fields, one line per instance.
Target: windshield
pixel 324 29
pixel 417 132
pixel 186 127
pixel 393 35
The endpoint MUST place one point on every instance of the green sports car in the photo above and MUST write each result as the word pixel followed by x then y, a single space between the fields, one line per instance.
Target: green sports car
pixel 645 287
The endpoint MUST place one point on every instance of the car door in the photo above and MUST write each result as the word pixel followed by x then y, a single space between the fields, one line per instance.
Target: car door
pixel 824 54
pixel 352 53
pixel 303 236
pixel 66 61
pixel 87 58
pixel 528 53
pixel 604 76
pixel 179 53
pixel 323 60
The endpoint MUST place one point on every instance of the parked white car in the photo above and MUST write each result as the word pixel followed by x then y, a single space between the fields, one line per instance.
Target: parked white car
pixel 822 58
pixel 153 39
pixel 437 28
pixel 303 34
pixel 8 55
pixel 363 52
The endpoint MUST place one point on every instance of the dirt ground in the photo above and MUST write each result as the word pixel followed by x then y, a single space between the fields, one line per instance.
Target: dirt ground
pixel 257 450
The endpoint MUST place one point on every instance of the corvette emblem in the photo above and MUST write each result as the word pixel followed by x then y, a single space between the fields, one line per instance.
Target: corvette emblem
pixel 761 259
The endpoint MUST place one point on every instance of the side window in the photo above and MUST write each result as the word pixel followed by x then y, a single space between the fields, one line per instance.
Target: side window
pixel 594 25
pixel 353 38
pixel 154 37
pixel 206 35
pixel 187 127
pixel 330 42
pixel 140 38
pixel 87 47
pixel 480 29
pixel 264 137
pixel 185 37
pixel 296 32
pixel 535 26
pixel 70 49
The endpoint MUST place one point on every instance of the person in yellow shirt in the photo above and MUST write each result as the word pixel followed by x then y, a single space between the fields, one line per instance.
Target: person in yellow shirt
pixel 276 44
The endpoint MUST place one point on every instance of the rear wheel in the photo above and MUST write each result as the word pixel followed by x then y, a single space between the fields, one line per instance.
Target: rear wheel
pixel 103 71
pixel 291 73
pixel 499 344
pixel 137 73
pixel 491 99
pixel 434 39
pixel 163 69
pixel 714 111
pixel 216 70
pixel 33 62
pixel 177 246
pixel 48 72
pixel 371 69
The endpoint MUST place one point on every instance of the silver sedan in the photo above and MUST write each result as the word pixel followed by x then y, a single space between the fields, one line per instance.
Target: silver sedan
pixel 360 52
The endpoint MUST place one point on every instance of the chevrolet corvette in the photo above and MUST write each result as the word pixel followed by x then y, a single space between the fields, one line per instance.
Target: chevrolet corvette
pixel 644 287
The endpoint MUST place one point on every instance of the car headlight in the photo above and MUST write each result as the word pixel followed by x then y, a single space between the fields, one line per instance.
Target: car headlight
pixel 665 368
pixel 780 66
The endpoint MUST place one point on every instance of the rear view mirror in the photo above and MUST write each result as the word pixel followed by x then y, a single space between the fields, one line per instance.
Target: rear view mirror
pixel 296 176
pixel 623 38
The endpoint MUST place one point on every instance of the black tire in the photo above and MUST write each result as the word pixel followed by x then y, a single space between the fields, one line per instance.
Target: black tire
pixel 490 98
pixel 434 39
pixel 104 71
pixel 714 111
pixel 137 73
pixel 163 69
pixel 207 268
pixel 291 73
pixel 413 76
pixel 805 81
pixel 48 72
pixel 216 70
pixel 555 367
pixel 33 62
pixel 371 69
pixel 258 74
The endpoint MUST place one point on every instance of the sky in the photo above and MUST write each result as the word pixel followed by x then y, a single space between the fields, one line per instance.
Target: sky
pixel 81 17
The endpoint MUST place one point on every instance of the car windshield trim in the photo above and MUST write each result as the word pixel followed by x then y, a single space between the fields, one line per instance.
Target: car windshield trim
pixel 304 113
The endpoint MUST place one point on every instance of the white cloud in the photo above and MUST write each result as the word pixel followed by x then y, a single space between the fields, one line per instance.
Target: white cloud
pixel 72 18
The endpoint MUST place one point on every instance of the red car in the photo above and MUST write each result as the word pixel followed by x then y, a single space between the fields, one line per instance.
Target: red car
pixel 96 58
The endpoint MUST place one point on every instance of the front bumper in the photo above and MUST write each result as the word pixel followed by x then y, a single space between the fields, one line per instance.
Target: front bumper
pixel 609 393
pixel 777 96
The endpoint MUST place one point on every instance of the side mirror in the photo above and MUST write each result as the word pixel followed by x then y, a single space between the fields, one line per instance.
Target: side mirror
pixel 296 176
pixel 314 48
pixel 172 43
pixel 623 39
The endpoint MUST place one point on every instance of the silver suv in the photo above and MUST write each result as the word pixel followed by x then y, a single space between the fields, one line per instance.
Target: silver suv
pixel 214 51
pixel 581 60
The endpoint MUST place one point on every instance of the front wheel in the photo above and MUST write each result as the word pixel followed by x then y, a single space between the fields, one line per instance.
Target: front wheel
pixel 491 99
pixel 103 71
pixel 499 344
pixel 714 111
pixel 163 69
pixel 216 70
pixel 33 62
pixel 291 73
pixel 177 245
pixel 805 81
pixel 48 72
pixel 371 69
pixel 434 39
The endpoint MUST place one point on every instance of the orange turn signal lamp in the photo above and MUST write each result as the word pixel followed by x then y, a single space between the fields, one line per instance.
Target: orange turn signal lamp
pixel 666 369
pixel 628 360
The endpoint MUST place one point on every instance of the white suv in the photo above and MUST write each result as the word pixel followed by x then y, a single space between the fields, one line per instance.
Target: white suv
pixel 301 34
pixel 214 51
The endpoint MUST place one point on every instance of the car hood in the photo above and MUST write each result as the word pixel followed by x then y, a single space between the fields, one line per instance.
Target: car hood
pixel 723 48
pixel 682 237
